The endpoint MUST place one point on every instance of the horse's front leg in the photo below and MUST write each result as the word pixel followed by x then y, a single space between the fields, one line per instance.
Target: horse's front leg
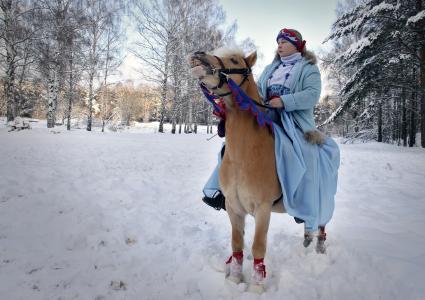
pixel 235 261
pixel 262 219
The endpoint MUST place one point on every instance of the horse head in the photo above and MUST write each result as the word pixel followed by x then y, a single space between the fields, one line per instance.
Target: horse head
pixel 212 70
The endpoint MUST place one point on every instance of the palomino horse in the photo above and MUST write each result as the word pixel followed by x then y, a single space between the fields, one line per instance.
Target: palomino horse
pixel 248 176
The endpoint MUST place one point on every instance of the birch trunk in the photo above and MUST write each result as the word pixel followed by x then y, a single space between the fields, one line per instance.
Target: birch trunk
pixel 71 92
pixel 163 97
pixel 92 73
pixel 11 53
pixel 53 97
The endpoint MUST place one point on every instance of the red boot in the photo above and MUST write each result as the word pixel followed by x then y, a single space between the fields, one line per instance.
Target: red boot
pixel 234 267
pixel 258 276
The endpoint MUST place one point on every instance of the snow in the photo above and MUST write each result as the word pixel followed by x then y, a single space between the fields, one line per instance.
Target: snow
pixel 91 215
pixel 416 18
pixel 353 20
pixel 358 47
pixel 382 7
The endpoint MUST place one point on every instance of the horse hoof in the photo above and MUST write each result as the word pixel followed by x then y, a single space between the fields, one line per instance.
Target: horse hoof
pixel 235 278
pixel 256 288
pixel 234 269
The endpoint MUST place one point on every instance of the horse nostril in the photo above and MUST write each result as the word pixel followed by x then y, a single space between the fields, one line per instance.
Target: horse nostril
pixel 199 53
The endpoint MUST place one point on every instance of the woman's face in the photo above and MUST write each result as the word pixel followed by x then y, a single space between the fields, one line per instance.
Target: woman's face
pixel 285 48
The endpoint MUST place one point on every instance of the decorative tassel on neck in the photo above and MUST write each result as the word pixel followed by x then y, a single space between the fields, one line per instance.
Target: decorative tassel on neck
pixel 243 102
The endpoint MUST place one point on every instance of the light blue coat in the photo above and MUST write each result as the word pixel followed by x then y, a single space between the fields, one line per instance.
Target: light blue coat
pixel 305 91
pixel 308 173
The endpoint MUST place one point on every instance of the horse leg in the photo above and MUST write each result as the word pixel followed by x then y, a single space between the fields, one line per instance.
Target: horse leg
pixel 321 238
pixel 262 220
pixel 235 261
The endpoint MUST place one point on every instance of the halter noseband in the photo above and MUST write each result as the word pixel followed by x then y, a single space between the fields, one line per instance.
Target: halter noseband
pixel 224 72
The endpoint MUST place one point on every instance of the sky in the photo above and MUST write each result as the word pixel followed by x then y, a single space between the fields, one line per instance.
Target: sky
pixel 261 22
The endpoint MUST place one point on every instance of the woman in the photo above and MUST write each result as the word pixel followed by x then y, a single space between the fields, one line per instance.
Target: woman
pixel 291 86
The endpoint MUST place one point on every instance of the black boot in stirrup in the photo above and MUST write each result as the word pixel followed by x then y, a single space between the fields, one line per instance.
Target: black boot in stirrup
pixel 217 201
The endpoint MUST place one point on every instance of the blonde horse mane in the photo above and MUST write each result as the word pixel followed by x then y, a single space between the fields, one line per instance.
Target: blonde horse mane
pixel 228 51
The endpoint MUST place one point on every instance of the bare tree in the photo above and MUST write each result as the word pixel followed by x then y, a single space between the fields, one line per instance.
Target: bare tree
pixel 157 25
pixel 102 17
pixel 52 44
pixel 168 31
pixel 112 59
pixel 74 62
pixel 15 33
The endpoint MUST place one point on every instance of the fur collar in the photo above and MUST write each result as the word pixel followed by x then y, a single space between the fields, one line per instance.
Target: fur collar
pixel 308 55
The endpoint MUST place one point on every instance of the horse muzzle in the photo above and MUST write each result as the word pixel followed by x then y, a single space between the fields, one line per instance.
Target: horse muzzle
pixel 199 65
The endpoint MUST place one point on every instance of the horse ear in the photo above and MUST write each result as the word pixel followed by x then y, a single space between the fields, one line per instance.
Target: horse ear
pixel 252 58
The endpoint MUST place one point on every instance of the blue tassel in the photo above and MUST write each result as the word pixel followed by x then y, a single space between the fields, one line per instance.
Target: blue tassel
pixel 243 101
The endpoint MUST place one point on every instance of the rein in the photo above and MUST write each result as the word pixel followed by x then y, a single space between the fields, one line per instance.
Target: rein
pixel 223 74
pixel 242 100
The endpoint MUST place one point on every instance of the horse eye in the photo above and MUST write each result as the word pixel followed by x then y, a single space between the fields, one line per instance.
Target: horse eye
pixel 234 61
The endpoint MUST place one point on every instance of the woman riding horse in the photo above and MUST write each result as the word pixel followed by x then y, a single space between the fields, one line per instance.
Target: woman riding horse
pixel 306 161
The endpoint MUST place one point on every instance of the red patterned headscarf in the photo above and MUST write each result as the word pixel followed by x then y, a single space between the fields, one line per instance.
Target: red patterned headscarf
pixel 292 36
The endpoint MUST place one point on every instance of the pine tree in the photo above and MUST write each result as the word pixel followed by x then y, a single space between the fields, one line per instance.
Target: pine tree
pixel 384 64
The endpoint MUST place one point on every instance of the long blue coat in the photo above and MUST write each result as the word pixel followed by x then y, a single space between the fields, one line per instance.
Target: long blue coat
pixel 308 173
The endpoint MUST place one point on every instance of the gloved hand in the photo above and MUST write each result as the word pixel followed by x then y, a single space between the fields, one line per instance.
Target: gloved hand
pixel 221 128
pixel 275 101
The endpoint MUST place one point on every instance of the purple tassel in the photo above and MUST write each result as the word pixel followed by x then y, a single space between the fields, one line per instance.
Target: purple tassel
pixel 243 101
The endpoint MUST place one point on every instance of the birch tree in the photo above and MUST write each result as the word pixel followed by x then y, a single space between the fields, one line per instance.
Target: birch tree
pixel 167 32
pixel 52 43
pixel 16 32
pixel 157 23
pixel 102 16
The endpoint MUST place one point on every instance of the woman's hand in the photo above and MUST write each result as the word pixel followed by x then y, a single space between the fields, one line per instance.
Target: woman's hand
pixel 276 102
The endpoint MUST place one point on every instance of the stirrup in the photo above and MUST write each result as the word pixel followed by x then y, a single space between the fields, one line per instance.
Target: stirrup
pixel 217 201
pixel 298 220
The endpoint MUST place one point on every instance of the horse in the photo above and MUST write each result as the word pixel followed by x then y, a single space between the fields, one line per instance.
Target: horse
pixel 248 176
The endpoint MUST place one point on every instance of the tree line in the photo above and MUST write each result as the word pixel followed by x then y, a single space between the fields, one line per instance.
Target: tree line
pixel 377 70
pixel 58 58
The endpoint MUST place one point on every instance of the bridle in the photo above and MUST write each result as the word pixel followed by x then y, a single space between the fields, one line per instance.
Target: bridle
pixel 224 73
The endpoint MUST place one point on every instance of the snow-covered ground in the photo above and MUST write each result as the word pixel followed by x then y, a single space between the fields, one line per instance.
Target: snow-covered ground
pixel 81 210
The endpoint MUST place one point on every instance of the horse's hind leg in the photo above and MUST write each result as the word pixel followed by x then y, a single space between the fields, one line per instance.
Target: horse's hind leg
pixel 235 262
pixel 262 220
